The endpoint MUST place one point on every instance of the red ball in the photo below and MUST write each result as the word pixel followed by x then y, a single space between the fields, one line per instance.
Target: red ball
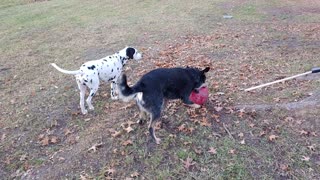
pixel 201 97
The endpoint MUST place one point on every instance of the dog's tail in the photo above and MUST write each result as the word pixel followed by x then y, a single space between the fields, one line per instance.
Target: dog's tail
pixel 127 93
pixel 65 71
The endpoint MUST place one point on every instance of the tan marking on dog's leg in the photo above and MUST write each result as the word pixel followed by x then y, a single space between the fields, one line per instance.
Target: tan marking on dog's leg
pixel 152 130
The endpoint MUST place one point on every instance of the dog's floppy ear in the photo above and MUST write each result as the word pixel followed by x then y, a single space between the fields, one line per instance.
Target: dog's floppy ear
pixel 206 70
pixel 130 52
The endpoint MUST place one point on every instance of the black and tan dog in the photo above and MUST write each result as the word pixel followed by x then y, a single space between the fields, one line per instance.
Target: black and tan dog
pixel 159 84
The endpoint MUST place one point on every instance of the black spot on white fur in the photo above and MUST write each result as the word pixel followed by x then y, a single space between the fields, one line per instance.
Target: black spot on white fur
pixel 92 67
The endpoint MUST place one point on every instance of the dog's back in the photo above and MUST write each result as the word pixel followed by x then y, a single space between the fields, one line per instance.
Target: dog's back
pixel 171 83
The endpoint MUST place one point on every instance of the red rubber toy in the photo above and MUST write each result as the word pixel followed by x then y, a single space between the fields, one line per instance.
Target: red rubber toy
pixel 201 97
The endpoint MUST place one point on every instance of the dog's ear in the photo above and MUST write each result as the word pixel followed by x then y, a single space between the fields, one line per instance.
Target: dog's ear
pixel 130 52
pixel 206 70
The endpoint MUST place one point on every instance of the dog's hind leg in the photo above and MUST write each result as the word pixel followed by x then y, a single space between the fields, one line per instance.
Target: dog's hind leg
pixel 143 111
pixel 82 88
pixel 93 85
pixel 154 117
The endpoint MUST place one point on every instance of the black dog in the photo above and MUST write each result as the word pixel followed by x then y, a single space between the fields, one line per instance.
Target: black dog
pixel 159 84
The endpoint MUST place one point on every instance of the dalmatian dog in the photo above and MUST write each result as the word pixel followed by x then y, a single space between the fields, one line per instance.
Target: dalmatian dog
pixel 108 69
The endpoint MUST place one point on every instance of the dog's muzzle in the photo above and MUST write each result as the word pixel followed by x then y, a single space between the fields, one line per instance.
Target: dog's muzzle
pixel 202 85
pixel 137 56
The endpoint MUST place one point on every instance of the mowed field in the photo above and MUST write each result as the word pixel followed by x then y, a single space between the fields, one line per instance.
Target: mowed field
pixel 270 133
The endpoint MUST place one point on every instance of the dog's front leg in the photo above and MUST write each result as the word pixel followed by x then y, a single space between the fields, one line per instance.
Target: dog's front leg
pixel 114 90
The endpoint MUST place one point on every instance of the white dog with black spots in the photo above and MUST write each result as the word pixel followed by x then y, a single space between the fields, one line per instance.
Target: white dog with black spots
pixel 108 69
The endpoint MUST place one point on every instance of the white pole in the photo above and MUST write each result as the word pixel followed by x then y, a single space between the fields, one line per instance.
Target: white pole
pixel 280 80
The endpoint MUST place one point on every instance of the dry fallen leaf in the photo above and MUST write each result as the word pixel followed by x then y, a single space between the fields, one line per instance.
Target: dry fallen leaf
pixel 135 174
pixel 232 151
pixel 127 142
pixel 95 147
pixel 54 139
pixel 251 125
pixel 3 137
pixel 288 119
pixel 214 116
pixel 128 129
pixel 23 157
pixel 188 163
pixel 241 113
pixel 303 132
pixel 273 137
pixel 45 141
pixel 212 150
pixel 312 147
pixel 284 167
pixel 110 171
pixel 262 133
pixel 191 129
pixel 305 158
pixel 84 177
pixel 197 150
pixel 242 142
pixel 277 99
pixel 182 127
pixel 218 108
pixel 205 122
pixel 41 136
pixel 240 135
pixel 116 134
pixel 130 123
pixel 67 131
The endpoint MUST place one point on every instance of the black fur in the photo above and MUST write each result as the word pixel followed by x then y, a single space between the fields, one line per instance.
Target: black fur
pixel 92 67
pixel 130 52
pixel 160 84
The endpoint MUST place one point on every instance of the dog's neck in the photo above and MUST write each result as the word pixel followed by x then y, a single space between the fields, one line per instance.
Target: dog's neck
pixel 123 56
pixel 124 60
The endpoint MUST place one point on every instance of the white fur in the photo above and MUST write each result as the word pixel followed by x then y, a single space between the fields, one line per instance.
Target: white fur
pixel 108 69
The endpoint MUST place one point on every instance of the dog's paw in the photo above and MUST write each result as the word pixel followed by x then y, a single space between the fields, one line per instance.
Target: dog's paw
pixel 84 112
pixel 114 97
pixel 91 107
pixel 194 106
pixel 158 140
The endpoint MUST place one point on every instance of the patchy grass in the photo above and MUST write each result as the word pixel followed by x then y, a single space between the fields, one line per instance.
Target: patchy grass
pixel 271 133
